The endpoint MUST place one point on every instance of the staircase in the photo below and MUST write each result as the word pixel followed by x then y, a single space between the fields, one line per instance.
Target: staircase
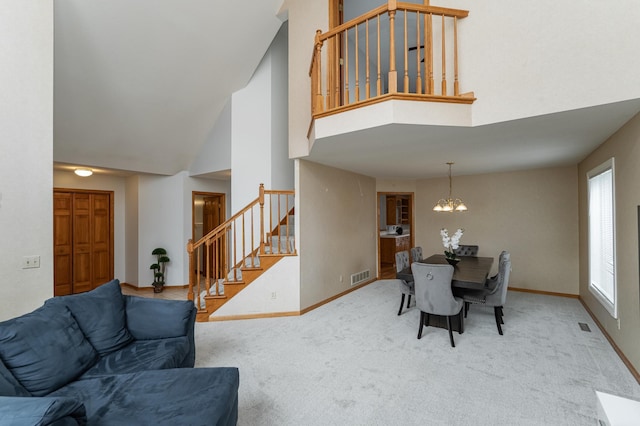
pixel 236 253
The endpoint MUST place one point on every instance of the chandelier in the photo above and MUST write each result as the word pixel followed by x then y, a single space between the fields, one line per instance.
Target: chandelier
pixel 449 204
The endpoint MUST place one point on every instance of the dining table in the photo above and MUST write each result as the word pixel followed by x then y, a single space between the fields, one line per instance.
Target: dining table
pixel 470 272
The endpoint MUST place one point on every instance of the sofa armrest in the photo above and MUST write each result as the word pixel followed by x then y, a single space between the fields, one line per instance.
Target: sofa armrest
pixel 43 411
pixel 160 319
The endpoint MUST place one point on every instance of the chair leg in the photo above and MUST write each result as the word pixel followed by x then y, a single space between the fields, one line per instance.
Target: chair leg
pixel 421 324
pixel 453 345
pixel 501 316
pixel 496 313
pixel 408 301
pixel 461 320
pixel 401 303
pixel 466 308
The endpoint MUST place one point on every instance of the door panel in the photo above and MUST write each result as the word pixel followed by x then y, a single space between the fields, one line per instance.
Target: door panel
pixel 83 240
pixel 62 248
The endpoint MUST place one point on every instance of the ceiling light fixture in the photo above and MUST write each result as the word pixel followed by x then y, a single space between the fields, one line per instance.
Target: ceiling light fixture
pixel 450 204
pixel 83 172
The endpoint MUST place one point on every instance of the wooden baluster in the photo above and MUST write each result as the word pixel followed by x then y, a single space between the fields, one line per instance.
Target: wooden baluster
pixel 456 88
pixel 379 81
pixel 367 85
pixel 253 242
pixel 244 248
pixel 207 267
pixel 406 56
pixel 337 59
pixel 444 63
pixel 429 54
pixel 393 75
pixel 418 76
pixel 319 103
pixel 261 202
pixel 357 73
pixel 346 68
pixel 198 277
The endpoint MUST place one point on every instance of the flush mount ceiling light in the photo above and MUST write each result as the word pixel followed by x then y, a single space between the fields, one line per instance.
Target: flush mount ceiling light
pixel 83 172
pixel 450 204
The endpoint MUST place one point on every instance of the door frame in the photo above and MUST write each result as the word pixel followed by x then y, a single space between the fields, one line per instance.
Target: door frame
pixel 202 194
pixel 411 196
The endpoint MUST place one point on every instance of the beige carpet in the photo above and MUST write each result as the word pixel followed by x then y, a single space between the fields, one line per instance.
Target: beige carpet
pixel 355 362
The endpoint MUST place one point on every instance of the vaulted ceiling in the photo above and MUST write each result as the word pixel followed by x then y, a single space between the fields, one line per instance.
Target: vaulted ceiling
pixel 138 85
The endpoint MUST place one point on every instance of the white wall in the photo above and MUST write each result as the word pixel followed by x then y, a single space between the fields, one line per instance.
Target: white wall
pixel 278 291
pixel 282 168
pixel 26 154
pixel 131 231
pixel 624 146
pixel 164 220
pixel 533 214
pixel 259 129
pixel 338 232
pixel 215 154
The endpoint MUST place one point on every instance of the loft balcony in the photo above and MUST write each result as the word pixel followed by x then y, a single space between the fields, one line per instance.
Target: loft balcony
pixel 376 63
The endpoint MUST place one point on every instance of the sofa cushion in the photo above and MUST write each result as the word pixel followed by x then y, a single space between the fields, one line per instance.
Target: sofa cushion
pixel 45 349
pixel 9 386
pixel 101 316
pixel 156 318
pixel 142 355
pixel 183 396
pixel 59 411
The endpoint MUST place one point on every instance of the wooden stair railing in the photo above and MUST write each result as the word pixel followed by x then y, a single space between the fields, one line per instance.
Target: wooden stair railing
pixel 238 251
pixel 346 75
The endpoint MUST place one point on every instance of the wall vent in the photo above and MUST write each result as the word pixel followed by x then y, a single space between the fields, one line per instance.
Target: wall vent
pixel 359 277
pixel 584 326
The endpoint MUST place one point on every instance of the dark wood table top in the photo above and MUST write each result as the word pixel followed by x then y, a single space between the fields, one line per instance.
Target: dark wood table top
pixel 471 272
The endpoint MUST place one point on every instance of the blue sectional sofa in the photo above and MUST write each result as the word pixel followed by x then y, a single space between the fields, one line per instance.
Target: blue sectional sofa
pixel 102 358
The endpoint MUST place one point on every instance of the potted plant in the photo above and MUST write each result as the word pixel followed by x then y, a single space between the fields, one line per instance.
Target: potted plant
pixel 158 269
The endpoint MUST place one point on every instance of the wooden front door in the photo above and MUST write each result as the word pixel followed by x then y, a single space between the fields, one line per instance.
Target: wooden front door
pixel 82 240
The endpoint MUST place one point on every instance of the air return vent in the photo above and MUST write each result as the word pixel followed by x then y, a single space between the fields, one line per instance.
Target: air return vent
pixel 360 277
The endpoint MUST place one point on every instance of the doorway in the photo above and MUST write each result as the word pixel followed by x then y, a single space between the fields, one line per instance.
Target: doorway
pixel 395 209
pixel 208 212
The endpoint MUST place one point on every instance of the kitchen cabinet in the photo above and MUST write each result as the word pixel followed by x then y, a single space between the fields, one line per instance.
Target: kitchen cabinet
pixel 390 245
pixel 398 210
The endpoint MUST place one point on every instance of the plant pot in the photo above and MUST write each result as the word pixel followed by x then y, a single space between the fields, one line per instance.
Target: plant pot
pixel 158 288
pixel 452 262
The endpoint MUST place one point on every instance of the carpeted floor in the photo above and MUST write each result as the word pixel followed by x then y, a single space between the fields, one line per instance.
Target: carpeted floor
pixel 355 362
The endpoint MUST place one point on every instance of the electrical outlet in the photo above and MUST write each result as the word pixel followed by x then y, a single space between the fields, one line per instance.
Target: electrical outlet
pixel 341 278
pixel 274 295
pixel 618 323
pixel 29 262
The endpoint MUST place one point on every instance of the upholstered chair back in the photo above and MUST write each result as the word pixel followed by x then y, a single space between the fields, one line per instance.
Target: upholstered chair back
pixel 416 254
pixel 433 289
pixel 466 250
pixel 402 260
pixel 499 296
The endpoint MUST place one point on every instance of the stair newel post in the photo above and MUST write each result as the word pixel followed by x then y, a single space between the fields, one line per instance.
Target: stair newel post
pixel 319 102
pixel 261 202
pixel 191 269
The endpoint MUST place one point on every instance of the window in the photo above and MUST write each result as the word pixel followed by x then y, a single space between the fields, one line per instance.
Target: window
pixel 602 258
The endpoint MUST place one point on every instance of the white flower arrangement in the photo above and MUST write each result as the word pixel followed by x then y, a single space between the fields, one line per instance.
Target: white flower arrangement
pixel 451 243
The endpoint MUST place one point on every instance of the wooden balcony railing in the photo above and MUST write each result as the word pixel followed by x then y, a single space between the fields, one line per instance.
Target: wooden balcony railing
pixel 263 228
pixel 398 50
